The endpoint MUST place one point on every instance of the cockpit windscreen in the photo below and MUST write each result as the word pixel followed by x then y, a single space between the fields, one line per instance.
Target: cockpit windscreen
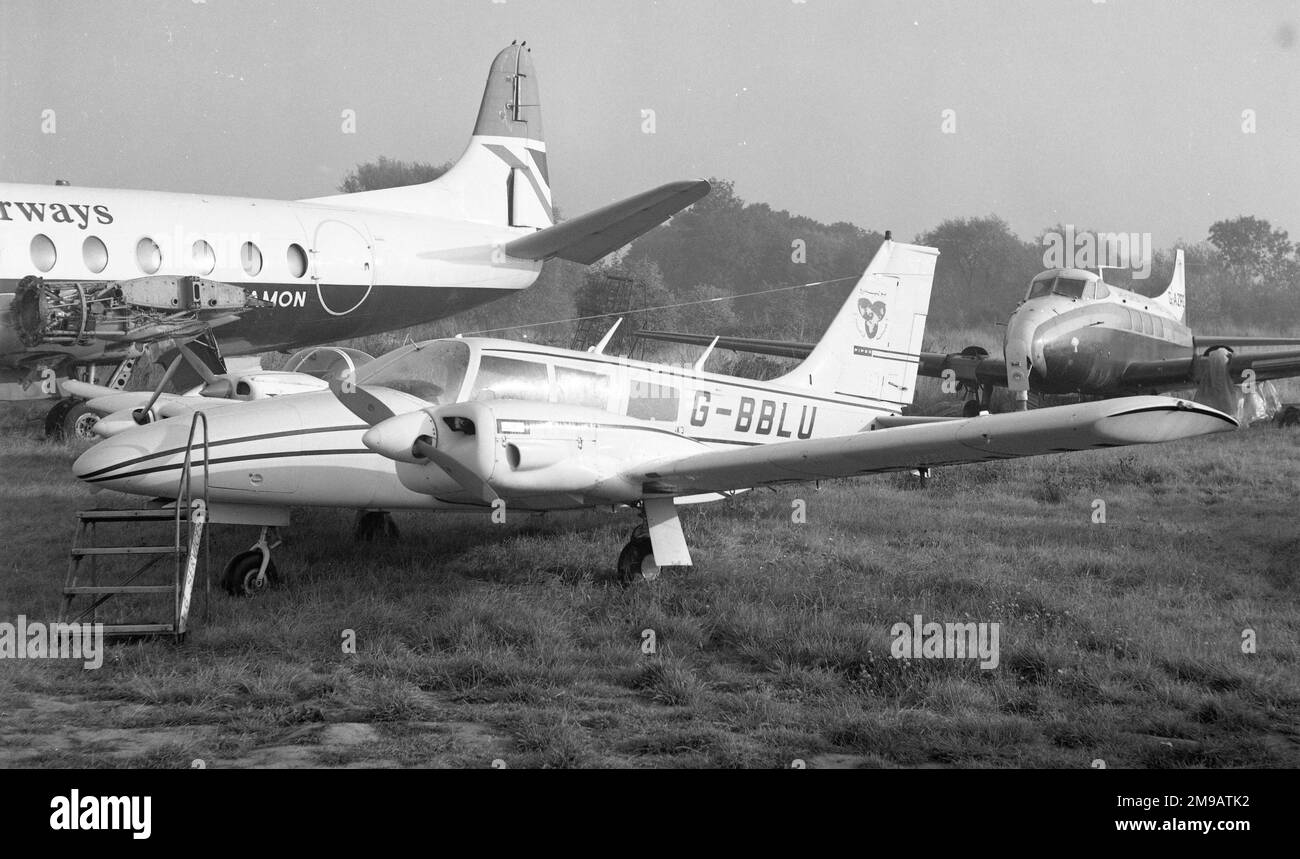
pixel 433 372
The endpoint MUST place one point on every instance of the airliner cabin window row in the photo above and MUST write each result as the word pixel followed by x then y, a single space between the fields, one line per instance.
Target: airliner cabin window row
pixel 149 256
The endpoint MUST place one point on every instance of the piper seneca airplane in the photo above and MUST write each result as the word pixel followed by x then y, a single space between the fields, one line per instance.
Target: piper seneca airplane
pixel 484 424
pixel 1076 334
pixel 90 277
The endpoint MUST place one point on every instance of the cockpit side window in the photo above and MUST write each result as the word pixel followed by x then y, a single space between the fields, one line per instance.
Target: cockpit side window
pixel 511 379
pixel 434 372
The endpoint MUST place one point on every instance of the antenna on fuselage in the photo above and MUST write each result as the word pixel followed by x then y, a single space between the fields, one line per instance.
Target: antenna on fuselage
pixel 599 348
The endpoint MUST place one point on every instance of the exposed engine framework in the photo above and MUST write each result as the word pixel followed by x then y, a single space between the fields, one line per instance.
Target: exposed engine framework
pixel 142 310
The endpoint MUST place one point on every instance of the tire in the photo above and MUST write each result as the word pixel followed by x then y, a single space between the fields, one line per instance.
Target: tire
pixel 970 409
pixel 54 419
pixel 237 578
pixel 636 562
pixel 79 423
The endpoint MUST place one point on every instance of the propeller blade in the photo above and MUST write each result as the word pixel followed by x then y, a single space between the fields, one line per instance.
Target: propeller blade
pixel 469 481
pixel 361 402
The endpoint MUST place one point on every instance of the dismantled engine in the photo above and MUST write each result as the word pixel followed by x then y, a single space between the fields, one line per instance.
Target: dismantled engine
pixel 144 309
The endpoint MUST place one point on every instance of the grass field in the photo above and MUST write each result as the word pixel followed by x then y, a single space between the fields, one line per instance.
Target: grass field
pixel 477 642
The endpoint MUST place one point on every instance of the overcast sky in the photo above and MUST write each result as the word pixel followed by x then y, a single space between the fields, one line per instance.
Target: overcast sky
pixel 1116 116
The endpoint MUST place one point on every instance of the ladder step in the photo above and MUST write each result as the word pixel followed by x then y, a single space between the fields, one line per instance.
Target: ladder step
pixel 150 514
pixel 120 589
pixel 127 550
pixel 138 628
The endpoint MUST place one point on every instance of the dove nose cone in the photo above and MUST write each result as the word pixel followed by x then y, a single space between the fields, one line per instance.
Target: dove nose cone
pixel 395 437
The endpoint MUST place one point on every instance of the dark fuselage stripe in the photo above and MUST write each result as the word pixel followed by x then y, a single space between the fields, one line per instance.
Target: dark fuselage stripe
pixel 250 457
pixel 219 443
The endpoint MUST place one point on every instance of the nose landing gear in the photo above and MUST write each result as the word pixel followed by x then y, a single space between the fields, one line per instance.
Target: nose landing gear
pixel 251 573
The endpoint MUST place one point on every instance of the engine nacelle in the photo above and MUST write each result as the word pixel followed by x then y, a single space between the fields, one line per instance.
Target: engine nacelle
pixel 541 453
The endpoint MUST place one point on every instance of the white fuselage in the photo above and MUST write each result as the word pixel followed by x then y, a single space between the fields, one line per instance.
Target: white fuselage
pixel 606 414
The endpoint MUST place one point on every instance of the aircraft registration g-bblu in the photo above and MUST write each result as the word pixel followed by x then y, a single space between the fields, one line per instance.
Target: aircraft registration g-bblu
pixel 476 423
pixel 90 276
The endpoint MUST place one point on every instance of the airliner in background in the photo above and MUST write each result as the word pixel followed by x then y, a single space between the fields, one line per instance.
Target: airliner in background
pixel 91 278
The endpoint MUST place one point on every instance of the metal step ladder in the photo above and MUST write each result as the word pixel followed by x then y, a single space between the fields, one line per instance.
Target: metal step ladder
pixel 189 543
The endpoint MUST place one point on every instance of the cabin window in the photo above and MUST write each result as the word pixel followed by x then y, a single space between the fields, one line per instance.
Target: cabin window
pixel 650 401
pixel 205 259
pixel 94 254
pixel 297 260
pixel 148 255
pixel 580 388
pixel 511 379
pixel 251 258
pixel 44 254
pixel 1146 324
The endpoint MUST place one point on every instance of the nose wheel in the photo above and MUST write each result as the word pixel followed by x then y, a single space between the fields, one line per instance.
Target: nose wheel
pixel 251 573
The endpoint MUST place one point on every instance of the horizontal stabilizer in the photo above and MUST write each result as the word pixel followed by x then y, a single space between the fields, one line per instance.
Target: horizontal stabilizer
pixel 589 237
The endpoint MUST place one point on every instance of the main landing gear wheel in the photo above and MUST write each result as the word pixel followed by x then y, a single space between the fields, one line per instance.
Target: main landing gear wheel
pixel 241 579
pixel 637 562
pixel 69 419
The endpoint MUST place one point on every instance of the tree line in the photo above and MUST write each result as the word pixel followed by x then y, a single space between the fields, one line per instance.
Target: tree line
pixel 1245 274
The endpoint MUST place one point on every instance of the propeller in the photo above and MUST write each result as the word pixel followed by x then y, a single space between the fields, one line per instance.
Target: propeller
pixel 1017 351
pixel 360 402
pixel 414 438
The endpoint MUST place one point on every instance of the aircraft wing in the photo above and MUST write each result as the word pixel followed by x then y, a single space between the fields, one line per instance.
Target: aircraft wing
pixel 1084 426
pixel 1209 341
pixel 589 237
pixel 1182 371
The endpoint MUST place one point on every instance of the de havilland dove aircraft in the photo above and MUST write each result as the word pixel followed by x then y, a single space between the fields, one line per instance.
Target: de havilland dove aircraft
pixel 1076 334
pixel 490 424
pixel 91 276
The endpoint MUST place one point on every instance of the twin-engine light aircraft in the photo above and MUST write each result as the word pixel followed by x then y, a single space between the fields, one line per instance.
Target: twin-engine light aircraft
pixel 89 277
pixel 1076 334
pixel 482 423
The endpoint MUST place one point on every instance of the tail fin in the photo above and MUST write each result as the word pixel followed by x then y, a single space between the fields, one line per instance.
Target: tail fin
pixel 501 178
pixel 1175 295
pixel 872 348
